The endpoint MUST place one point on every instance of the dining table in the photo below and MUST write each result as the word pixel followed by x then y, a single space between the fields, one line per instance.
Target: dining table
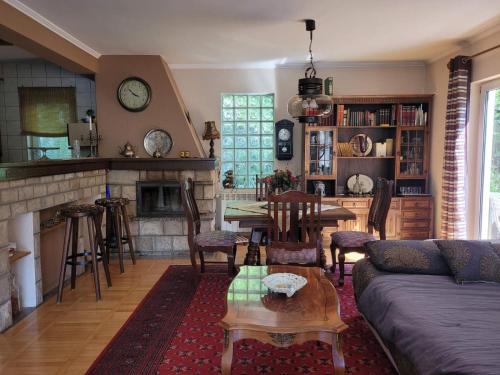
pixel 254 215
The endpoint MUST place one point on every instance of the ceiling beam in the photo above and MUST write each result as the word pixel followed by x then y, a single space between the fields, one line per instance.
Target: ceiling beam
pixel 23 31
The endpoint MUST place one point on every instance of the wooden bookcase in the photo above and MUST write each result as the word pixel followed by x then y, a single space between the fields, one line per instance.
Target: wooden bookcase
pixel 399 118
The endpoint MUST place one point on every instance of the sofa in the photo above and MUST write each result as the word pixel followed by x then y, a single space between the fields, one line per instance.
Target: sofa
pixel 434 306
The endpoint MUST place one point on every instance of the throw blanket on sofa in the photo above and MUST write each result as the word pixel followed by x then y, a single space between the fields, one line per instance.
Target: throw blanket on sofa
pixel 441 327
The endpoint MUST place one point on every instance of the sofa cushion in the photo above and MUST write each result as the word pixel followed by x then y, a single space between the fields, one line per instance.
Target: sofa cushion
pixel 471 260
pixel 422 257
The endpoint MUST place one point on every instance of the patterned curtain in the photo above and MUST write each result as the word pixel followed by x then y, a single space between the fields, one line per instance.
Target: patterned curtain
pixel 454 182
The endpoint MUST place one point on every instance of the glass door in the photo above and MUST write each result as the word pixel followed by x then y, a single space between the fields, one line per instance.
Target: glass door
pixel 490 187
pixel 320 152
pixel 411 153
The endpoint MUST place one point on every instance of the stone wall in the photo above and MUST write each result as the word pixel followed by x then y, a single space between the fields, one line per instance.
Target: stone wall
pixel 32 195
pixel 167 236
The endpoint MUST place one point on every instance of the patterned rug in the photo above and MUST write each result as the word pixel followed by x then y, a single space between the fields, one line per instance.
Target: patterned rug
pixel 174 331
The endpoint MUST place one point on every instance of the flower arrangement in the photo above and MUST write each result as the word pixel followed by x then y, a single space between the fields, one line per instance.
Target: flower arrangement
pixel 282 180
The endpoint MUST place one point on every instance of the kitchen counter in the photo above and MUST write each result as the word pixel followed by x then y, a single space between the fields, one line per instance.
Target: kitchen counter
pixel 38 168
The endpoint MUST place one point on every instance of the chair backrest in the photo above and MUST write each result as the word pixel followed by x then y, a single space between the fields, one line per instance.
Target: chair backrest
pixel 190 209
pixel 296 219
pixel 380 206
pixel 261 188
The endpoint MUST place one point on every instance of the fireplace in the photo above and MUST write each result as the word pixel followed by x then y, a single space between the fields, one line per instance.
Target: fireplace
pixel 159 198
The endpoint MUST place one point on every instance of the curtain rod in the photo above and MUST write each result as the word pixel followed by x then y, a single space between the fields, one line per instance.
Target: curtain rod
pixel 486 51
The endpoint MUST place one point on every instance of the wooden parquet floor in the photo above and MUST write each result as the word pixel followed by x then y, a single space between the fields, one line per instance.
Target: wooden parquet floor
pixel 67 338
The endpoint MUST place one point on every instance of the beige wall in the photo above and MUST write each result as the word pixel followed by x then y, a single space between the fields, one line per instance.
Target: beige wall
pixel 118 126
pixel 485 68
pixel 201 90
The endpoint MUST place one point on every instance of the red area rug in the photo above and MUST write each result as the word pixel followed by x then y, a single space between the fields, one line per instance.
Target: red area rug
pixel 174 331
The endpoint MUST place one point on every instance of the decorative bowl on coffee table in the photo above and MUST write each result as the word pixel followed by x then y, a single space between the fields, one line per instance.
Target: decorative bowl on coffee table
pixel 287 283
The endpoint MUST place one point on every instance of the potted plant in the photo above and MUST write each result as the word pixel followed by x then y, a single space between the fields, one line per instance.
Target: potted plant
pixel 282 180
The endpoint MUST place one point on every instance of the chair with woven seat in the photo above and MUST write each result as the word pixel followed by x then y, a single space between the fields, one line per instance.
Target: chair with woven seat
pixel 295 230
pixel 213 241
pixel 354 241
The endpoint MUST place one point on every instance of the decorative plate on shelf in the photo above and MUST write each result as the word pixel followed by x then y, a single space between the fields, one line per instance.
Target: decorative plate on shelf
pixel 158 143
pixel 287 283
pixel 365 182
pixel 361 144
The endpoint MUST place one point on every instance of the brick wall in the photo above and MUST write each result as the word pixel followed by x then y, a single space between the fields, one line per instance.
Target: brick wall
pixel 32 195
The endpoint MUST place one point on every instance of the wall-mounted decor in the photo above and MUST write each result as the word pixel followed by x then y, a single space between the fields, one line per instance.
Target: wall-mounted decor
pixel 158 143
pixel 134 94
pixel 284 140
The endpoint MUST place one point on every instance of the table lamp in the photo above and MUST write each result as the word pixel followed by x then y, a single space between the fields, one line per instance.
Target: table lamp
pixel 210 134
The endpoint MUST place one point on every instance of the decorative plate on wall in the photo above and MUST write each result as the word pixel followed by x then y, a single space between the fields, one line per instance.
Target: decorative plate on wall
pixel 365 184
pixel 158 143
pixel 361 144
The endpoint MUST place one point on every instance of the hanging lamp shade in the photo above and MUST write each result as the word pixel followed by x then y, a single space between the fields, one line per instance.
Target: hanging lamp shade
pixel 310 105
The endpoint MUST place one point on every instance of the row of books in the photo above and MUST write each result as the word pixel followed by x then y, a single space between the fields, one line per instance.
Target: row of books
pixel 397 114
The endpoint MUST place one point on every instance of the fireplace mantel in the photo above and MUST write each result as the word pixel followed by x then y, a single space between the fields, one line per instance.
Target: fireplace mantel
pixel 16 171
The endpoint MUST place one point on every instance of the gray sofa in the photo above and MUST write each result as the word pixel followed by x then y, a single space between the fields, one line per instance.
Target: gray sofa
pixel 426 321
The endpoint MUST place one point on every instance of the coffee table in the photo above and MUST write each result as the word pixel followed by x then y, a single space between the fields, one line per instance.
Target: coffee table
pixel 252 312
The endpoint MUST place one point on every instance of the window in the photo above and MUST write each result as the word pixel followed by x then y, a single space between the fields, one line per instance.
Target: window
pixel 45 113
pixel 490 202
pixel 247 136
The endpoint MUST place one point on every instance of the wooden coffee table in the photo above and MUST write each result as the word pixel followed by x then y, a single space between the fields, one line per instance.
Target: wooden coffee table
pixel 312 314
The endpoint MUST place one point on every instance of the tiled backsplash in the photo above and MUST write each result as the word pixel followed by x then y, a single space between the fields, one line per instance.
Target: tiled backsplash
pixel 34 73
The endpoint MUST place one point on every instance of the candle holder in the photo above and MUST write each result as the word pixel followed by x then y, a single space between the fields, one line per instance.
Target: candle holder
pixel 93 139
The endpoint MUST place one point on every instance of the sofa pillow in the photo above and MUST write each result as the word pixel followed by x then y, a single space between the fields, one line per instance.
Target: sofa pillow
pixel 496 247
pixel 422 257
pixel 471 260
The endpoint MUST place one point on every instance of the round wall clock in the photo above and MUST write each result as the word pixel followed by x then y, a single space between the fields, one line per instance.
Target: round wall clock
pixel 134 94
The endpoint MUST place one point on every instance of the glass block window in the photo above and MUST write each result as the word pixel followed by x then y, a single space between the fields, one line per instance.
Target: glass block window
pixel 247 136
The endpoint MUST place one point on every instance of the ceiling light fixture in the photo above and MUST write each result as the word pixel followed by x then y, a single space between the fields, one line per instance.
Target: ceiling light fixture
pixel 310 105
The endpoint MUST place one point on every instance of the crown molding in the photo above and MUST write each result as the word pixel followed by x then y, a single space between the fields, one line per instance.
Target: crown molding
pixel 467 43
pixel 51 26
pixel 320 65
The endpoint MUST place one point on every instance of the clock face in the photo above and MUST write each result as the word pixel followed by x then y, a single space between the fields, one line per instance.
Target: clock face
pixel 134 94
pixel 284 135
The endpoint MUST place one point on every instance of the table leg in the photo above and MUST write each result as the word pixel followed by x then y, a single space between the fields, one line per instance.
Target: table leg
pixel 338 356
pixel 227 354
pixel 252 258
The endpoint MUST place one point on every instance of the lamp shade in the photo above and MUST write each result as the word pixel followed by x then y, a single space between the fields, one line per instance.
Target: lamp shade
pixel 310 105
pixel 211 131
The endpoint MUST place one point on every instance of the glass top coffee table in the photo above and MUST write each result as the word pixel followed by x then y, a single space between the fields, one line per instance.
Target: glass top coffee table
pixel 252 312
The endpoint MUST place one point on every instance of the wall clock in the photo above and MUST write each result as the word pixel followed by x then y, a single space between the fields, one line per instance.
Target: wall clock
pixel 134 94
pixel 284 139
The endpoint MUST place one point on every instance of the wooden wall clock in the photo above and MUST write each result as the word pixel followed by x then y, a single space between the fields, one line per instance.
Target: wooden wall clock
pixel 284 139
pixel 134 94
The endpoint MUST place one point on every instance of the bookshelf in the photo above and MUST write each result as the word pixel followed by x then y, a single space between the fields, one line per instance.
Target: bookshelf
pixel 404 120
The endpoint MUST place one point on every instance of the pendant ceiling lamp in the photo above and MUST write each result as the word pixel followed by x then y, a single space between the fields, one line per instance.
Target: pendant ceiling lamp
pixel 310 105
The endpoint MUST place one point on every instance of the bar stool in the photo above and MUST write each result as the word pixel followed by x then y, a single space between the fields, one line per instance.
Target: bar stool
pixel 93 214
pixel 116 221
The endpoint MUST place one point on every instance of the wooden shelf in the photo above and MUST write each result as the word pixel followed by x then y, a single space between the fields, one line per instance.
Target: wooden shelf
pixel 365 157
pixel 367 127
pixel 18 254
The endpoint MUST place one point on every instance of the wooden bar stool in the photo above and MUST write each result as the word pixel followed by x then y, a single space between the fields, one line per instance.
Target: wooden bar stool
pixel 93 214
pixel 116 221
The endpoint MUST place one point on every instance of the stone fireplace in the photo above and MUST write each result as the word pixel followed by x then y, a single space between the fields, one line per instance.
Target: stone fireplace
pixel 159 198
pixel 158 224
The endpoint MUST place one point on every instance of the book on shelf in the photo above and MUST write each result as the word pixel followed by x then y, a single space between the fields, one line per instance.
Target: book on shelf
pixel 411 115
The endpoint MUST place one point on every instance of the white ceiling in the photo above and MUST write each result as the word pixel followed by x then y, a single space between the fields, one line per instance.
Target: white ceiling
pixel 267 32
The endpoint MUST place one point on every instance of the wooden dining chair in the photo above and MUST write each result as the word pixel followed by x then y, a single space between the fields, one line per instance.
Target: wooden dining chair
pixel 354 241
pixel 213 241
pixel 295 230
pixel 261 188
